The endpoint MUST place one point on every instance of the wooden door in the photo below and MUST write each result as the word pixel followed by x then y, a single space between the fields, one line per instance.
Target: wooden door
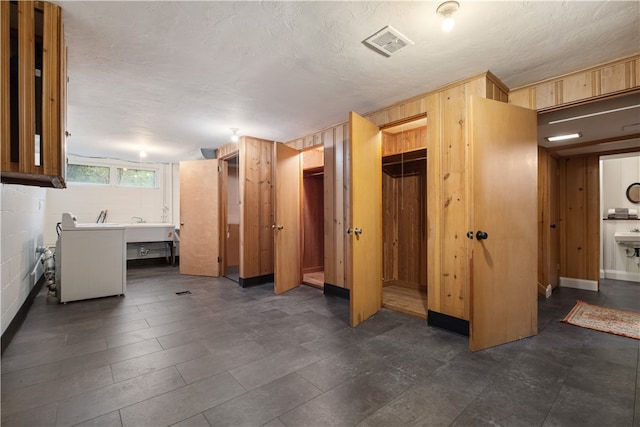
pixel 364 268
pixel 504 162
pixel 200 219
pixel 288 177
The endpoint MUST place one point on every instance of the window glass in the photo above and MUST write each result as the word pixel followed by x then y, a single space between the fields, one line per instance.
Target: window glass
pixel 88 174
pixel 136 178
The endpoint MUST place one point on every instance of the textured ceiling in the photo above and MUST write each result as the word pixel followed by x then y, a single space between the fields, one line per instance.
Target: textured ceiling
pixel 172 77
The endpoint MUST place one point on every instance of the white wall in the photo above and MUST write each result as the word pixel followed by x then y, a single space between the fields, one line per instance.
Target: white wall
pixel 21 228
pixel 86 201
pixel 617 173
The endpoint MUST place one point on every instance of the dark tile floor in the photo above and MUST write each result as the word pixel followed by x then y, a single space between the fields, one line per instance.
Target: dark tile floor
pixel 229 356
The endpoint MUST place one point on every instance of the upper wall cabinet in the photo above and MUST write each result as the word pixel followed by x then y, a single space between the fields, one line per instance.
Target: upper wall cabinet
pixel 33 79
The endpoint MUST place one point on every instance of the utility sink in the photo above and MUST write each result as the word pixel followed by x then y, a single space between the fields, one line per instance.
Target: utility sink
pixel 149 232
pixel 628 238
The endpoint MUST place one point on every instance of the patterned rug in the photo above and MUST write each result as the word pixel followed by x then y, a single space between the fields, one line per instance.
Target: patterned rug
pixel 611 320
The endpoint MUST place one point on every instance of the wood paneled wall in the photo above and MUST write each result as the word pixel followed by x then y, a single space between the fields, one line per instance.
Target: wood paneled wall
pixel 548 220
pixel 445 108
pixel 313 223
pixel 256 207
pixel 611 78
pixel 580 218
pixel 404 231
pixel 335 194
pixel 232 247
pixel 402 142
pixel 226 151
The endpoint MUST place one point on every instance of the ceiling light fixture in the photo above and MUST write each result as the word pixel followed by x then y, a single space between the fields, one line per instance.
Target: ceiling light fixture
pixel 234 136
pixel 388 41
pixel 563 137
pixel 597 113
pixel 446 10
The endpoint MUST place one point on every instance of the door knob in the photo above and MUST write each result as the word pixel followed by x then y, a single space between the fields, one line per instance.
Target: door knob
pixel 481 235
pixel 553 226
pixel 470 234
pixel 357 231
pixel 280 227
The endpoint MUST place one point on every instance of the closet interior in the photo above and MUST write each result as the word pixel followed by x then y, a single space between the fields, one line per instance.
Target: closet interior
pixel 313 217
pixel 404 185
pixel 232 226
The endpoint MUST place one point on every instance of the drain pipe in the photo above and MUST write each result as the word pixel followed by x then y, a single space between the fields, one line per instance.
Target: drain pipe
pixel 49 266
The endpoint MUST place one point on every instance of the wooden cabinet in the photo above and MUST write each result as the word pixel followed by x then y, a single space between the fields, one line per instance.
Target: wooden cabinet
pixel 33 106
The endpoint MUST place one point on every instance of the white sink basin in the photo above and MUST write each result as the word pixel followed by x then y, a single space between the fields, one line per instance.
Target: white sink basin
pixel 149 232
pixel 628 238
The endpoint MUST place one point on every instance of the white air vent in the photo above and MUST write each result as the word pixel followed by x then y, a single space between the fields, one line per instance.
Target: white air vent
pixel 388 41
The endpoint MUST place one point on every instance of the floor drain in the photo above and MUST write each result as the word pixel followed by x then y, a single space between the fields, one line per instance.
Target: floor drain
pixel 183 293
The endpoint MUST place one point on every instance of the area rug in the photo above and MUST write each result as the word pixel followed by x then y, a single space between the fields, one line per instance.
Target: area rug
pixel 611 320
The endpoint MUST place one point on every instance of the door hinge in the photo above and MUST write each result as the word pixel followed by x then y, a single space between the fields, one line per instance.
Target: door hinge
pixel 219 259
pixel 219 168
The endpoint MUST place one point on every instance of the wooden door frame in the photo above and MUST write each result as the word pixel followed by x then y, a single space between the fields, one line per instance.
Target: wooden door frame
pixel 224 205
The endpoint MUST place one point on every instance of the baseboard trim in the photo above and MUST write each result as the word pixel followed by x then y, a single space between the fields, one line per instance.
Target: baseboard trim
pixel 336 291
pixel 18 319
pixel 621 275
pixel 255 281
pixel 450 323
pixel 545 291
pixel 587 285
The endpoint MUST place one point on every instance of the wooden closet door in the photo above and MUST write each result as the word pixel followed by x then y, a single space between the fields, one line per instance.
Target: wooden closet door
pixel 288 177
pixel 504 265
pixel 200 224
pixel 364 269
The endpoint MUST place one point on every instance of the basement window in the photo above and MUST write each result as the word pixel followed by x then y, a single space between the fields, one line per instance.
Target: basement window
pixel 88 174
pixel 144 178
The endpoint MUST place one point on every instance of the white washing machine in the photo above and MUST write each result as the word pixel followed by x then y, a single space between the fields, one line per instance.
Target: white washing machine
pixel 92 260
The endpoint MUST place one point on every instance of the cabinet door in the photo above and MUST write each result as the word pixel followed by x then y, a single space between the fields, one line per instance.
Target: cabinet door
pixel 504 153
pixel 364 268
pixel 288 173
pixel 200 228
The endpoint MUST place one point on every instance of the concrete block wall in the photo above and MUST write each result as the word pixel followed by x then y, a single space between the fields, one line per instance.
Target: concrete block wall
pixel 22 211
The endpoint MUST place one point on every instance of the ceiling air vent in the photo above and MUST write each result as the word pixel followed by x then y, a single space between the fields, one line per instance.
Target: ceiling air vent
pixel 388 41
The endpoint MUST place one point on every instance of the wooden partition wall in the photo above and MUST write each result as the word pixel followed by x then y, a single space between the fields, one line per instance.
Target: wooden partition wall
pixel 447 211
pixel 549 226
pixel 580 218
pixel 574 193
pixel 591 83
pixel 256 211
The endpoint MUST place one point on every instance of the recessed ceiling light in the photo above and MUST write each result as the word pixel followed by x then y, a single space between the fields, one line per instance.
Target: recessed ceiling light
pixel 563 137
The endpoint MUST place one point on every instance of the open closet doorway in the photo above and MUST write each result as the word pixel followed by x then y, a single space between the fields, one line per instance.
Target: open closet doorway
pixel 313 217
pixel 404 219
pixel 232 223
